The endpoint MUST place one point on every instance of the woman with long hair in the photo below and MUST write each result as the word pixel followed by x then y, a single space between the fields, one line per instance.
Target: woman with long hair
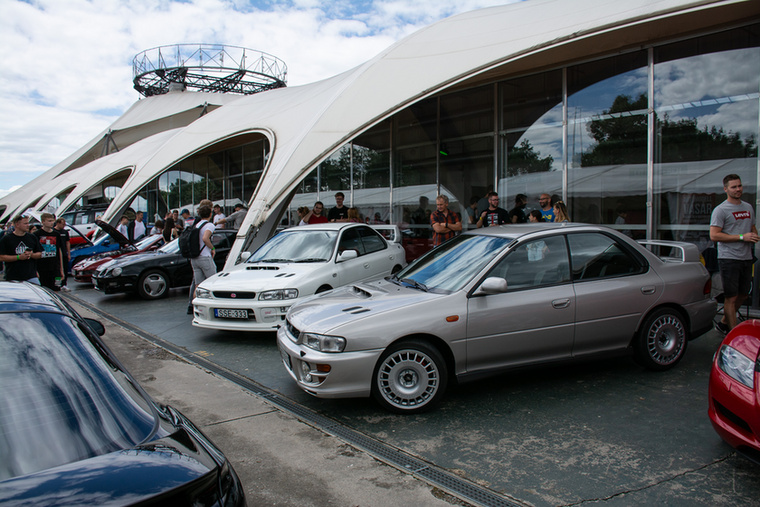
pixel 560 212
pixel 170 229
pixel 353 215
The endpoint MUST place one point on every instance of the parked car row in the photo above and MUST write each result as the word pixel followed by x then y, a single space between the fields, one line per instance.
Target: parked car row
pixel 487 301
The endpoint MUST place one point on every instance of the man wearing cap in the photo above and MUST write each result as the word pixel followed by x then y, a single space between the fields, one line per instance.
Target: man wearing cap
pixel 187 220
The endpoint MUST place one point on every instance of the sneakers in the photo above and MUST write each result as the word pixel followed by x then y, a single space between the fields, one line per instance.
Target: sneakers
pixel 721 328
pixel 189 309
pixel 65 289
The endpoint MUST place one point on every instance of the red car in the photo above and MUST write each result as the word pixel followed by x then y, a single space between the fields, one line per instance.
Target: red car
pixel 735 389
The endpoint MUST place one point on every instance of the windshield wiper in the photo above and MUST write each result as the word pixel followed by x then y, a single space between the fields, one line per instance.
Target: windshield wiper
pixel 415 284
pixel 312 259
pixel 274 260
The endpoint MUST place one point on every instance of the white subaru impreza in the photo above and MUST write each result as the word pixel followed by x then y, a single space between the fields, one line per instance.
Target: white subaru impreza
pixel 256 294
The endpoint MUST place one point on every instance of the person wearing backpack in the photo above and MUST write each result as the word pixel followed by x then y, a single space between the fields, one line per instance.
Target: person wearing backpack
pixel 203 263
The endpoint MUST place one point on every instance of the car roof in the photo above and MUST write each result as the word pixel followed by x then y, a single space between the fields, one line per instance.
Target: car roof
pixel 329 226
pixel 515 231
pixel 25 297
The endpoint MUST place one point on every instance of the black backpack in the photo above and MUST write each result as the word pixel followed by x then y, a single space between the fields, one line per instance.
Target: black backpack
pixel 190 241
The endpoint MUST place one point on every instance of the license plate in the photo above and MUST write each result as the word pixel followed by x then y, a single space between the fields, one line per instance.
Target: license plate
pixel 286 359
pixel 223 313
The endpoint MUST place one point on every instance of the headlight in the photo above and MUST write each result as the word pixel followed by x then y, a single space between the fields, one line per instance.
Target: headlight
pixel 200 292
pixel 323 343
pixel 278 295
pixel 737 366
pixel 116 271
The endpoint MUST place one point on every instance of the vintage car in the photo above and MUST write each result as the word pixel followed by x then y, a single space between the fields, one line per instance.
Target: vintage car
pixel 77 428
pixel 493 299
pixel 255 295
pixel 85 268
pixel 152 275
pixel 734 391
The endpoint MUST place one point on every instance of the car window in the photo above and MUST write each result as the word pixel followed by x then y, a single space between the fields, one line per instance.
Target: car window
pixel 452 265
pixel 350 240
pixel 371 240
pixel 220 240
pixel 297 245
pixel 57 389
pixel 596 255
pixel 171 247
pixel 535 263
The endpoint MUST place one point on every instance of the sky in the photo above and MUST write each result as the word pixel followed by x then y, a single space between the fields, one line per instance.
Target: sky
pixel 67 64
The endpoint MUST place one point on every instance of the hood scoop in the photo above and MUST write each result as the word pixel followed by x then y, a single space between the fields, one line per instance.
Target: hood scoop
pixel 262 268
pixel 355 310
pixel 359 292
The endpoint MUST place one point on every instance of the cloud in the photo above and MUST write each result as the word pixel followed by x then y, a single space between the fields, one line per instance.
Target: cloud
pixel 70 73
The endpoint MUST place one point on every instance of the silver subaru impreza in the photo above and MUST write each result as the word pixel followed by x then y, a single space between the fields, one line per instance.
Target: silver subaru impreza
pixel 494 299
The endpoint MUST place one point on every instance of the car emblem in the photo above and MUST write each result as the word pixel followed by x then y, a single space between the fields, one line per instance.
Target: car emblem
pixel 233 295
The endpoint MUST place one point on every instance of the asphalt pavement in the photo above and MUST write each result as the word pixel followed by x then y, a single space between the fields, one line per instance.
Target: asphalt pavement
pixel 606 432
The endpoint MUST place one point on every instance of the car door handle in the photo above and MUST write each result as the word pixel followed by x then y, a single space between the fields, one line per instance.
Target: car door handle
pixel 561 303
pixel 649 289
pixel 366 266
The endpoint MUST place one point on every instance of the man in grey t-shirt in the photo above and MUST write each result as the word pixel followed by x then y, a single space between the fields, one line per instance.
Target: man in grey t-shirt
pixel 732 227
pixel 235 220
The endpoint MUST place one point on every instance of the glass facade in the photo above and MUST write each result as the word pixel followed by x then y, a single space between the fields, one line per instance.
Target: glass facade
pixel 226 174
pixel 639 141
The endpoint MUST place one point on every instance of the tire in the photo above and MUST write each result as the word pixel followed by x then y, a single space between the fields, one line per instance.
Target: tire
pixel 153 285
pixel 410 377
pixel 661 341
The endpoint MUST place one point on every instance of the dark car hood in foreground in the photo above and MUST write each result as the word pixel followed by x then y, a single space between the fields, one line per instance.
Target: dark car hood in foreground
pixel 183 468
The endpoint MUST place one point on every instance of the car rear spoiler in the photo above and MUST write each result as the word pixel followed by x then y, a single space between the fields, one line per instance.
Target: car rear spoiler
pixel 392 233
pixel 672 251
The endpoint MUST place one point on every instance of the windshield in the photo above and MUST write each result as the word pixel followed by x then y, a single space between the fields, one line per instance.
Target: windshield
pixel 294 245
pixel 170 247
pixel 450 266
pixel 60 400
pixel 146 242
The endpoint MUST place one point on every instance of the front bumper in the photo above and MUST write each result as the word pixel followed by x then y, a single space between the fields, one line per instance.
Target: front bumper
pixel 259 315
pixel 734 413
pixel 349 375
pixel 115 284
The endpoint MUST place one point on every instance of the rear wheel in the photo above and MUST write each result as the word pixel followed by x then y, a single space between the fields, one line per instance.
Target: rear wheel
pixel 410 377
pixel 661 341
pixel 153 285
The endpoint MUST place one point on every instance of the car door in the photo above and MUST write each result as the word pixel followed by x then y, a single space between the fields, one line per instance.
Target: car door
pixel 613 288
pixel 222 243
pixel 533 321
pixel 351 270
pixel 378 257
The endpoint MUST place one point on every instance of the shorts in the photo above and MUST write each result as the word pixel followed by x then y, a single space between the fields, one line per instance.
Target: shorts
pixel 736 276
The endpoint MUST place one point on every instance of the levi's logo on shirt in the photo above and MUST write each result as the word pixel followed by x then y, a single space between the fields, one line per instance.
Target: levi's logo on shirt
pixel 741 215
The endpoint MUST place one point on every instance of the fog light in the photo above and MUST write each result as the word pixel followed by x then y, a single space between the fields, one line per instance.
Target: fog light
pixel 306 371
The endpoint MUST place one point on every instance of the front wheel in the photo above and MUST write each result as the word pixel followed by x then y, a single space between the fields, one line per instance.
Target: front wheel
pixel 661 341
pixel 153 285
pixel 410 377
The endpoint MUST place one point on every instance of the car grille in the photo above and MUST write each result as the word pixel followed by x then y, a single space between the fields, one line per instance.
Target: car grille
pixel 228 294
pixel 293 330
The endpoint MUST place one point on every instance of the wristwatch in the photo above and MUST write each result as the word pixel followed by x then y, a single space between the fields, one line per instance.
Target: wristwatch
pixel 741 237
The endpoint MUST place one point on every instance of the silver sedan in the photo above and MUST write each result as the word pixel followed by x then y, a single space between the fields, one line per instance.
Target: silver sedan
pixel 495 299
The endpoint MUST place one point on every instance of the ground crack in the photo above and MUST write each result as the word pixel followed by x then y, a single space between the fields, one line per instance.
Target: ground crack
pixel 648 486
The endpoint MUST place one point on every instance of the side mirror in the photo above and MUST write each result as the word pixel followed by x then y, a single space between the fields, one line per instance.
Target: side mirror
pixel 346 255
pixel 492 285
pixel 96 326
pixel 243 257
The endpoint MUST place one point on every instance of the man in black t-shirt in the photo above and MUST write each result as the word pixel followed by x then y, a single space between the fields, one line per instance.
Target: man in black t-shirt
pixel 339 213
pixel 60 226
pixel 19 250
pixel 494 215
pixel 49 265
pixel 517 214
